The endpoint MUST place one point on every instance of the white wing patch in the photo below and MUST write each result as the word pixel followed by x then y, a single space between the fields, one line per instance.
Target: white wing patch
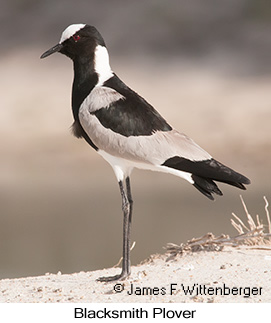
pixel 100 97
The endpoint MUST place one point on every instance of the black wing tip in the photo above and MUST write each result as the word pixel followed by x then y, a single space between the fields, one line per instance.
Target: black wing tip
pixel 240 184
pixel 207 168
pixel 246 181
pixel 206 172
pixel 204 192
pixel 206 186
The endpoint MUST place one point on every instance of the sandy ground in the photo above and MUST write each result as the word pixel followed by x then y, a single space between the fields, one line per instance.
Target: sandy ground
pixel 242 275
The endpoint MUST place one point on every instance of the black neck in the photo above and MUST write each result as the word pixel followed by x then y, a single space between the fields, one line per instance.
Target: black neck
pixel 85 78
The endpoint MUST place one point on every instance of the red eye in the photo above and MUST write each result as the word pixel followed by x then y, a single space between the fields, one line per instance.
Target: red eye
pixel 76 38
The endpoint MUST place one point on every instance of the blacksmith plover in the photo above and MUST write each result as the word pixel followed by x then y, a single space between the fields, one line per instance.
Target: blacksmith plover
pixel 127 131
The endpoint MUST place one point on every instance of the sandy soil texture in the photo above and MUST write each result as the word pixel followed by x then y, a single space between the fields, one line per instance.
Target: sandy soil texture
pixel 231 275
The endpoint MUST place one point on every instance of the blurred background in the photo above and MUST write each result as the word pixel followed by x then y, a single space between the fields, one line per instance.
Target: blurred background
pixel 206 66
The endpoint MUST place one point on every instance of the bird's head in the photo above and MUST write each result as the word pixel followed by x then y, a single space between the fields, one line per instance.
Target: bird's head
pixel 77 40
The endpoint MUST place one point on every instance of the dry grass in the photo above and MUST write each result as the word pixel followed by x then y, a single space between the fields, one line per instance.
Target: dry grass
pixel 251 234
pixel 254 233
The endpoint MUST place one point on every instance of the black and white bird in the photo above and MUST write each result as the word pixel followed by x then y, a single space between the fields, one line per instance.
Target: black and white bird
pixel 127 131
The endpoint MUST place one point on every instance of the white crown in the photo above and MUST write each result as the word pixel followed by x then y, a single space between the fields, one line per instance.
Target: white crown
pixel 70 31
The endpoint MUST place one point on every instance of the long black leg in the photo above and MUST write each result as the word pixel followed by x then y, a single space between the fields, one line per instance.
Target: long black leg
pixel 130 200
pixel 129 196
pixel 127 203
pixel 126 233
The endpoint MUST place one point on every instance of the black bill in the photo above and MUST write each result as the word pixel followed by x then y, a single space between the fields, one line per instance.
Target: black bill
pixel 52 50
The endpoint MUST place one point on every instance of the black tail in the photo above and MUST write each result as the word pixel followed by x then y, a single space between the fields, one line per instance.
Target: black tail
pixel 205 172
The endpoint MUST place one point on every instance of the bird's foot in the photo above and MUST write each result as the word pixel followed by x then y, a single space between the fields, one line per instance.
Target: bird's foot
pixel 121 276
